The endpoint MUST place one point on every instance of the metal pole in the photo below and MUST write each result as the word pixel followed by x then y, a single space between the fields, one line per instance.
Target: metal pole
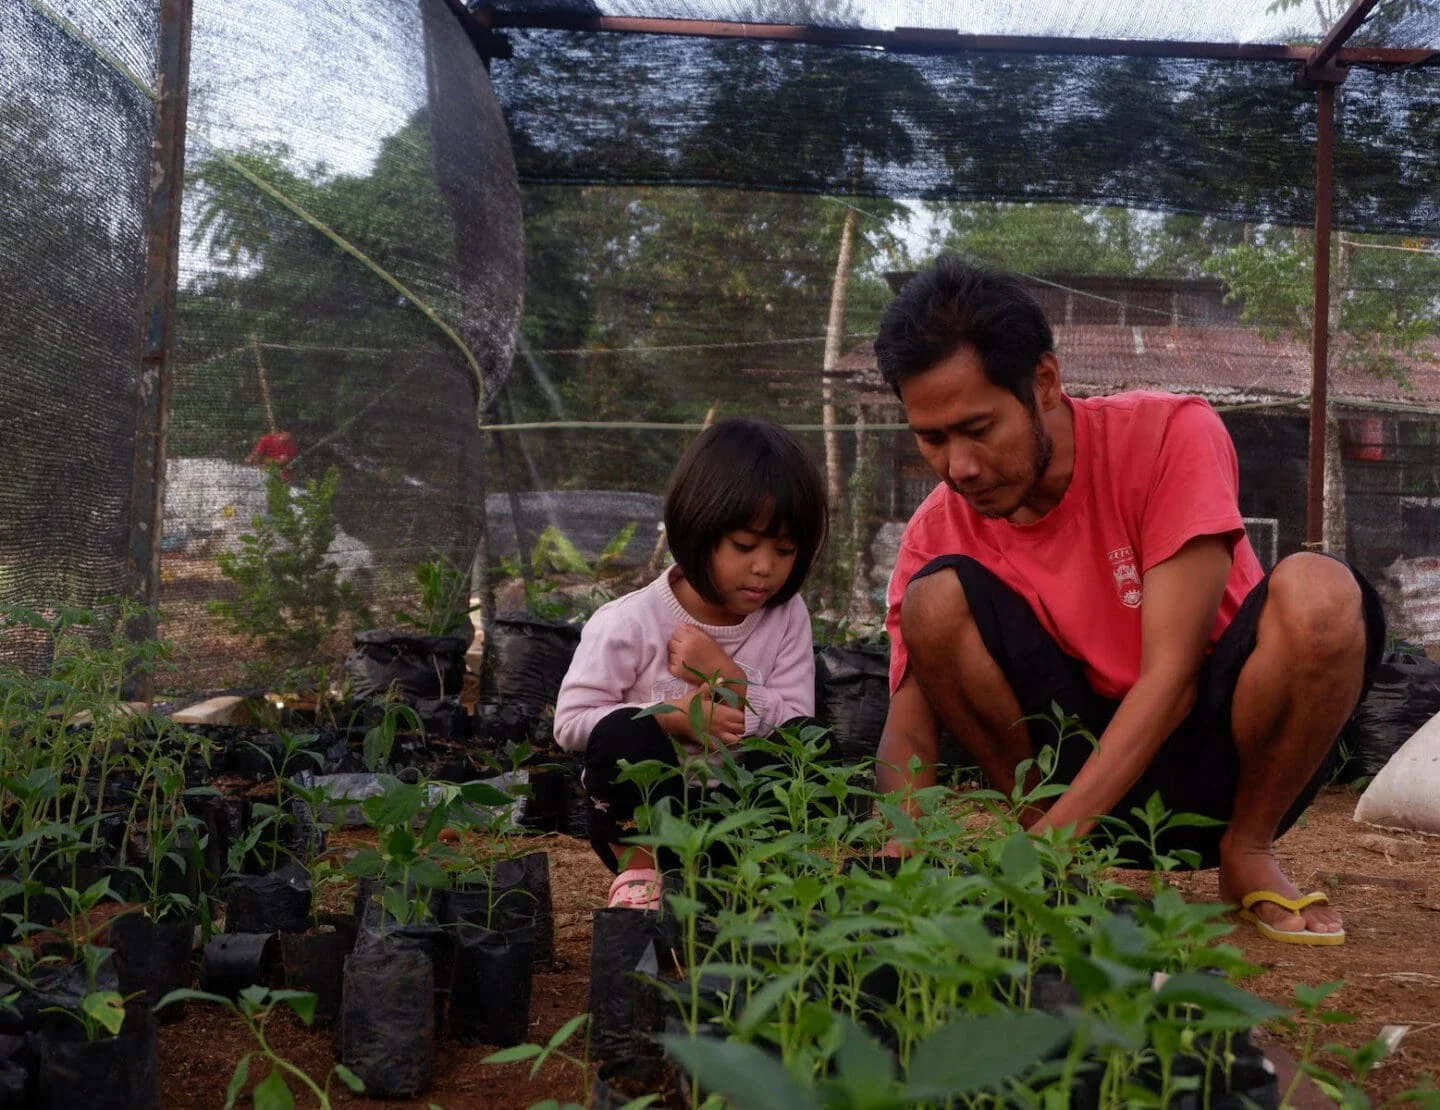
pixel 1320 326
pixel 157 325
pixel 924 40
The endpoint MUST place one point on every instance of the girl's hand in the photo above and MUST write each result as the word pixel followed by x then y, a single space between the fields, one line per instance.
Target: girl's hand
pixel 692 649
pixel 726 722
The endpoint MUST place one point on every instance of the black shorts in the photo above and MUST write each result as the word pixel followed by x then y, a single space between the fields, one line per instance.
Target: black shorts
pixel 1197 768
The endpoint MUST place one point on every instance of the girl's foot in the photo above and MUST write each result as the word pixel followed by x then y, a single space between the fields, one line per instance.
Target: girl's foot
pixel 636 889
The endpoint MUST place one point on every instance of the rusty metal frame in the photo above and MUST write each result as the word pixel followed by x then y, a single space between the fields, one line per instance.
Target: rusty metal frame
pixel 157 324
pixel 923 40
pixel 1324 71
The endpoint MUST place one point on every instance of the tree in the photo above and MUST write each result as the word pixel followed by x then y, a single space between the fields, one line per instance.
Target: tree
pixel 360 375
pixel 1382 314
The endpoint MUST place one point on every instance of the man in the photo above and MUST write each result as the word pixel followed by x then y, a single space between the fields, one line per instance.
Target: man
pixel 1090 553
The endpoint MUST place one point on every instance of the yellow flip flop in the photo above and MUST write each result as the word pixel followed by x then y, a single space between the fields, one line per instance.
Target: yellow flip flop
pixel 1294 905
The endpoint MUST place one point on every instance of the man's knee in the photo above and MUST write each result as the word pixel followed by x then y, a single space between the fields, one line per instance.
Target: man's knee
pixel 1317 602
pixel 933 613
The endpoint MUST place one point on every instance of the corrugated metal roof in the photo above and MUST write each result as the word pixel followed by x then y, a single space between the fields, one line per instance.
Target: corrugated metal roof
pixel 1225 365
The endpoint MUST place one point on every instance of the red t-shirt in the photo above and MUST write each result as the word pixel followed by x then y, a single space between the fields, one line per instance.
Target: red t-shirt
pixel 1152 472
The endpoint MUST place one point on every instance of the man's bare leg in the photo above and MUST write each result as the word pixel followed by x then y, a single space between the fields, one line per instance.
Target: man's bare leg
pixel 962 683
pixel 1293 696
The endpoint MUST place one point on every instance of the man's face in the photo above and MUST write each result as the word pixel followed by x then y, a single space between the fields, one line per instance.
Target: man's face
pixel 978 437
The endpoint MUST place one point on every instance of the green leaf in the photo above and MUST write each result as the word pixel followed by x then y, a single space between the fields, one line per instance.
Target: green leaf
pixel 973 1054
pixel 107 1008
pixel 255 994
pixel 866 1069
pixel 1215 994
pixel 1191 820
pixel 656 710
pixel 366 864
pixel 350 1079
pixel 185 994
pixel 565 1031
pixel 271 1093
pixel 428 873
pixel 484 794
pixel 513 1054
pixel 1019 862
pixel 764 1001
pixel 752 1079
pixel 302 1002
pixel 237 1081
pixel 399 805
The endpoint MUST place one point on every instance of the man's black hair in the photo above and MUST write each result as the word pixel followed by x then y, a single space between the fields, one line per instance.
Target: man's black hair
pixel 953 304
pixel 735 473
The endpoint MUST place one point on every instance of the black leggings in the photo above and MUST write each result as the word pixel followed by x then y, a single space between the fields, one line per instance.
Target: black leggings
pixel 621 735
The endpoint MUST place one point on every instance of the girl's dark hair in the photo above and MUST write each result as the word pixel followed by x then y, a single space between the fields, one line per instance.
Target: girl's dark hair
pixel 734 472
pixel 953 304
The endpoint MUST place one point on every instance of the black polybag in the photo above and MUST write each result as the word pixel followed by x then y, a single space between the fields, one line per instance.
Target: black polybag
pixel 234 961
pixel 516 894
pixel 51 987
pixel 152 958
pixel 627 946
pixel 852 697
pixel 275 903
pixel 377 931
pixel 119 1073
pixel 525 659
pixel 386 1033
pixel 1404 695
pixel 494 970
pixel 417 667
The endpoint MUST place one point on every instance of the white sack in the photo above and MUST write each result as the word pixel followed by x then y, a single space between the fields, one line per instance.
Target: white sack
pixel 1406 792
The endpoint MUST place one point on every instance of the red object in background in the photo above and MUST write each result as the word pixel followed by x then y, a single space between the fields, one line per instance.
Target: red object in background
pixel 276 447
pixel 1363 438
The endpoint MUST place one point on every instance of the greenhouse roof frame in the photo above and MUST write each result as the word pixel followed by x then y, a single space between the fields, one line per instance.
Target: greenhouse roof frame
pixel 925 40
pixel 1321 68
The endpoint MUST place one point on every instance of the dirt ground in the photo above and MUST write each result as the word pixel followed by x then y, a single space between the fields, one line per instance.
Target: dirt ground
pixel 1391 965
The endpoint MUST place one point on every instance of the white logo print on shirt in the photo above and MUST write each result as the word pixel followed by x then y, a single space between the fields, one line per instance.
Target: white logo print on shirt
pixel 1126 575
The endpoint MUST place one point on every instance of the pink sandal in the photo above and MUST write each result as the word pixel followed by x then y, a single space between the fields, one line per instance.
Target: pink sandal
pixel 637 889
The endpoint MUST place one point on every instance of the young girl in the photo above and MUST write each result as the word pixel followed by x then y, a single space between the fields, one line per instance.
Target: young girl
pixel 745 516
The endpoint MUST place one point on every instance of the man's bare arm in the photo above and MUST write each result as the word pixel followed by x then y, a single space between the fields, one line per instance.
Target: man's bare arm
pixel 1181 599
pixel 910 730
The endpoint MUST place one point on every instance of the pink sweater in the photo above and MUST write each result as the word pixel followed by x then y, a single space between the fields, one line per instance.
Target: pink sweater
pixel 623 661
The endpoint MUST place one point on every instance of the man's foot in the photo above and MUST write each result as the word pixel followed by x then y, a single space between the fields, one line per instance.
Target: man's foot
pixel 1244 872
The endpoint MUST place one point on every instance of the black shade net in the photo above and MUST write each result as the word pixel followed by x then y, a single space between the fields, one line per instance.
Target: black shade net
pixel 1229 138
pixel 75 132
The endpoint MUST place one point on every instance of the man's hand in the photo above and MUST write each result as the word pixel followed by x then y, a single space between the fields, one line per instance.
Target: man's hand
pixel 692 649
pixel 1182 598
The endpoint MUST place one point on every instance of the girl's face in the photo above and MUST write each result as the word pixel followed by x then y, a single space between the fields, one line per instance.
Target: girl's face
pixel 748 567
